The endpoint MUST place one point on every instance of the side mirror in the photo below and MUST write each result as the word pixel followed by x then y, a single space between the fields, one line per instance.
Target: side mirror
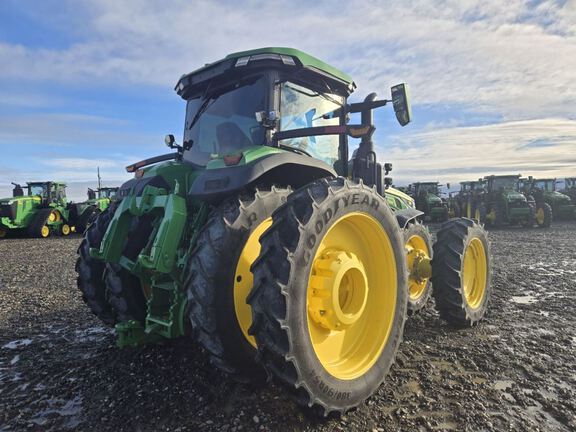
pixel 170 140
pixel 388 182
pixel 401 103
pixel 387 167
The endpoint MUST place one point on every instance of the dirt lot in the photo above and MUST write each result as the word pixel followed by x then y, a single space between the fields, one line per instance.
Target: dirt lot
pixel 60 369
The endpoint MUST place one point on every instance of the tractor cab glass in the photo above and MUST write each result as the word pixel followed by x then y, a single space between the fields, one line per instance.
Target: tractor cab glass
pixel 509 183
pixel 108 193
pixel 302 108
pixel 428 188
pixel 545 185
pixel 224 122
pixel 38 189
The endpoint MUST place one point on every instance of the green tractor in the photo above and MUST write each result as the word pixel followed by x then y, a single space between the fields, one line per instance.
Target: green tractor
pixel 570 188
pixel 427 198
pixel 41 211
pixel 502 203
pixel 549 203
pixel 261 240
pixel 98 200
pixel 466 202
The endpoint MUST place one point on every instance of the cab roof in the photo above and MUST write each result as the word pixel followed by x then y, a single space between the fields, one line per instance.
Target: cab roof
pixel 57 183
pixel 289 59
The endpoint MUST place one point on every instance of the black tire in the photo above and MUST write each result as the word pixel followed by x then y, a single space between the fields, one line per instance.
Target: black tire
pixel 90 271
pixel 417 229
pixel 483 213
pixel 35 229
pixel 212 279
pixel 547 215
pixel 279 295
pixel 453 239
pixel 87 218
pixel 529 223
pixel 124 293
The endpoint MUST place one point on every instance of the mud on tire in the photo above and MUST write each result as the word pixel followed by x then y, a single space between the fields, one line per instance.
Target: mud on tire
pixel 279 296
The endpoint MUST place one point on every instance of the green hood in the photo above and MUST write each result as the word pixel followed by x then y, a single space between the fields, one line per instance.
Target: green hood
pixel 510 195
pixel 557 197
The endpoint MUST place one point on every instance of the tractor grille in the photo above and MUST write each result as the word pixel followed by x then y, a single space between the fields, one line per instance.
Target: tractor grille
pixel 8 210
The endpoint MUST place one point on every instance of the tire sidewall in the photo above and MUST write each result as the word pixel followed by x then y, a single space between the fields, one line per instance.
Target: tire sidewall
pixel 331 390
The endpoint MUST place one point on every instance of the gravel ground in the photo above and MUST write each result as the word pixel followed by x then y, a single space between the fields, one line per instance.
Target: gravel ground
pixel 60 369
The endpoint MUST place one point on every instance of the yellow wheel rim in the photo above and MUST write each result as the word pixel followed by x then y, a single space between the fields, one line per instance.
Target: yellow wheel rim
pixel 417 255
pixel 45 231
pixel 474 273
pixel 65 229
pixel 540 216
pixel 54 216
pixel 244 279
pixel 351 299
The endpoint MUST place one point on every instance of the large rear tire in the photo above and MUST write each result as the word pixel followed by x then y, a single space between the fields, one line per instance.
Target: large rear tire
pixel 418 243
pixel 329 298
pixel 220 279
pixel 90 271
pixel 543 215
pixel 461 272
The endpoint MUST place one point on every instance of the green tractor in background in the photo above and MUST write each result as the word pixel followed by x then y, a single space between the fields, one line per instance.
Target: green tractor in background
pixel 549 203
pixel 466 202
pixel 428 200
pixel 98 200
pixel 504 204
pixel 260 235
pixel 40 212
pixel 570 188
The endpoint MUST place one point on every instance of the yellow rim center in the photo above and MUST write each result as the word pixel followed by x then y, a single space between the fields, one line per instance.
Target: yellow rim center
pixel 418 259
pixel 45 231
pixel 540 216
pixel 339 290
pixel 65 229
pixel 351 299
pixel 244 279
pixel 474 273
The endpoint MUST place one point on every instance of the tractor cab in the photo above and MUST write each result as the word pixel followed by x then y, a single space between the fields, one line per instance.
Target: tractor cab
pixel 499 183
pixel 544 191
pixel 428 200
pixel 49 192
pixel 102 193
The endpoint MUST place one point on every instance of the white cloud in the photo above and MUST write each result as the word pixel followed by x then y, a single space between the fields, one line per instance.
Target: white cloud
pixel 509 58
pixel 544 147
pixel 80 163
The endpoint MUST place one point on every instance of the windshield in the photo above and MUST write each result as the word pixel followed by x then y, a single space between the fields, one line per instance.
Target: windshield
pixel 546 185
pixel 39 189
pixel 428 188
pixel 107 193
pixel 505 182
pixel 225 123
pixel 303 108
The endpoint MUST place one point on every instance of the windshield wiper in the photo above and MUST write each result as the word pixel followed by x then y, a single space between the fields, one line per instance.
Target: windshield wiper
pixel 294 149
pixel 202 109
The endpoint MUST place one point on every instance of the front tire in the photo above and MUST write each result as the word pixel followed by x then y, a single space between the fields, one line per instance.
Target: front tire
pixel 461 272
pixel 90 271
pixel 543 215
pixel 329 298
pixel 220 279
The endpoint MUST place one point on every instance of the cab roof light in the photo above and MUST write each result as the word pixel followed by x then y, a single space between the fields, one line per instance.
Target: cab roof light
pixel 287 60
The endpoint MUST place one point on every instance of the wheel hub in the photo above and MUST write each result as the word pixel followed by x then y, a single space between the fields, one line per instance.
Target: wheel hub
pixel 419 265
pixel 339 290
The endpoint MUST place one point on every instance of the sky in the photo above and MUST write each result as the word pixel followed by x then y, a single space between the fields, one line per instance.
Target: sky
pixel 86 84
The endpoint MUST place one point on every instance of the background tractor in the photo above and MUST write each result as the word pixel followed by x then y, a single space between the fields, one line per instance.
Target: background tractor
pixel 427 198
pixel 570 188
pixel 550 204
pixel 260 235
pixel 41 211
pixel 466 202
pixel 503 203
pixel 98 200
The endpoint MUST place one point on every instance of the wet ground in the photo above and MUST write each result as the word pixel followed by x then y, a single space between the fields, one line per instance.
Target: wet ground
pixel 60 369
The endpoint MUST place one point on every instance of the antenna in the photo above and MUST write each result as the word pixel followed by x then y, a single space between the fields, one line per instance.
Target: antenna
pixel 99 185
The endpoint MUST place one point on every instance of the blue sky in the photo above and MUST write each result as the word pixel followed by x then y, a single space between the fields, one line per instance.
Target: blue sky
pixel 90 83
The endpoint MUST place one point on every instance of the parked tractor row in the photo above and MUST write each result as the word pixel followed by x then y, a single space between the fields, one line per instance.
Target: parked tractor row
pixel 40 209
pixel 497 200
pixel 274 246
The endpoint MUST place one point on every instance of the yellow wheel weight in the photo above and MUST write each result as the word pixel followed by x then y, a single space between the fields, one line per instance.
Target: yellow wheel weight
pixel 65 229
pixel 243 279
pixel 474 273
pixel 351 297
pixel 45 231
pixel 418 260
